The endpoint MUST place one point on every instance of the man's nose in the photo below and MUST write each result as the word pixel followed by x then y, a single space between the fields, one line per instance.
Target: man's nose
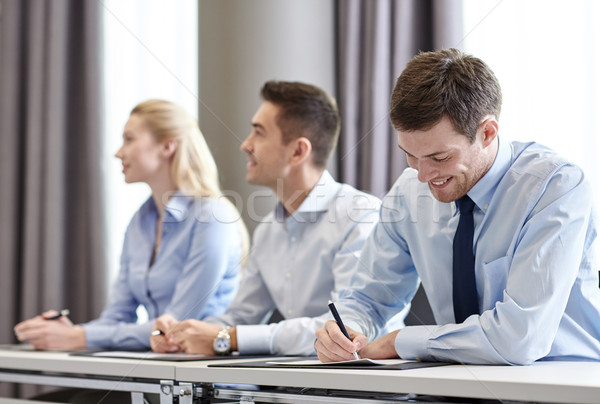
pixel 425 171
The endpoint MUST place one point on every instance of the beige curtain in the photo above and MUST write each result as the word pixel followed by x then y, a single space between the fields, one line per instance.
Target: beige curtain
pixel 51 215
pixel 375 40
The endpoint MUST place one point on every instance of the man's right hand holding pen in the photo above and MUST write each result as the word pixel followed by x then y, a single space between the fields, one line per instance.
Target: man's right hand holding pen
pixel 333 346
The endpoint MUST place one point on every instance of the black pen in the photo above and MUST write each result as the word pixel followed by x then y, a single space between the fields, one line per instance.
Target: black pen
pixel 157 332
pixel 62 313
pixel 338 320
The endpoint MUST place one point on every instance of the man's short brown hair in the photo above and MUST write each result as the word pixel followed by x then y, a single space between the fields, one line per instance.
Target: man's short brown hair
pixel 307 111
pixel 445 83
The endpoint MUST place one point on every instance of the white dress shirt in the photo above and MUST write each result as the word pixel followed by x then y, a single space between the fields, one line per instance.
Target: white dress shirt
pixel 297 263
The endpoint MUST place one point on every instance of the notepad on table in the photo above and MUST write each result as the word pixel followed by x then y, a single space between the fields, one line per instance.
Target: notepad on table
pixel 353 362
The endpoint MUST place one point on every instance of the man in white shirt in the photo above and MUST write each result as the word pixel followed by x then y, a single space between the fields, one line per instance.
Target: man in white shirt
pixel 305 251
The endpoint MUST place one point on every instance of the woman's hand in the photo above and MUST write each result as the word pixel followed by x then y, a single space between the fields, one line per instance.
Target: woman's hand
pixel 57 334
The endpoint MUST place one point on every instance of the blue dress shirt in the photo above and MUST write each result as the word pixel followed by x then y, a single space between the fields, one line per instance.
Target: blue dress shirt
pixel 194 273
pixel 297 263
pixel 536 271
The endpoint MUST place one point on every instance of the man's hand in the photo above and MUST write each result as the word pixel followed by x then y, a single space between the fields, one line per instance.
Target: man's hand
pixel 381 348
pixel 333 346
pixel 160 343
pixel 194 337
pixel 58 334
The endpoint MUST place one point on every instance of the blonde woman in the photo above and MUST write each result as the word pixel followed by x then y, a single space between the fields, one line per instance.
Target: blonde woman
pixel 183 248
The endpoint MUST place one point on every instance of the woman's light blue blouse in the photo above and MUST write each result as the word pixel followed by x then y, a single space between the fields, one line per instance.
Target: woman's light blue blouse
pixel 194 274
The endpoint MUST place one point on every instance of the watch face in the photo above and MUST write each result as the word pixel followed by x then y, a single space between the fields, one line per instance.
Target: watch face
pixel 222 345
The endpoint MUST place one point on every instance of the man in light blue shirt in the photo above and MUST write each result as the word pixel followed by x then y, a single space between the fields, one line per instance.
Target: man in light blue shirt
pixel 535 233
pixel 302 253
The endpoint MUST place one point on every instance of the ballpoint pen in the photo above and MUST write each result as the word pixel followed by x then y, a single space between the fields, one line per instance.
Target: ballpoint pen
pixel 157 332
pixel 62 313
pixel 340 324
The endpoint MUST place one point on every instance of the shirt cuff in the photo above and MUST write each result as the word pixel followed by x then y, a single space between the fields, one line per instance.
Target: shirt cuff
pixel 411 342
pixel 253 339
pixel 98 336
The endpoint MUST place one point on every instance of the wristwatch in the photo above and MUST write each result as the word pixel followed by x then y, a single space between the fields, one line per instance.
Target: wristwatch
pixel 222 342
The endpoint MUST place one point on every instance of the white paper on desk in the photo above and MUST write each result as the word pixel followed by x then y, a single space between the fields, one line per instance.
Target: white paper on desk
pixel 353 362
pixel 146 355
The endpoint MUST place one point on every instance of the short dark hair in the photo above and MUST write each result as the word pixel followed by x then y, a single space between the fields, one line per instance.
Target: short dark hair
pixel 308 111
pixel 445 83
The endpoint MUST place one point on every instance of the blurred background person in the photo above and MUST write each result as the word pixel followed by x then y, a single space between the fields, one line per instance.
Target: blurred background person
pixel 182 250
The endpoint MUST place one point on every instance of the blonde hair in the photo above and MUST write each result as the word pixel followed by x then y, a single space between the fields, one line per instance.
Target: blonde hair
pixel 193 167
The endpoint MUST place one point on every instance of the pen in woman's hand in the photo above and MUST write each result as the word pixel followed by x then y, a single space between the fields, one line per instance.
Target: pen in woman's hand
pixel 62 313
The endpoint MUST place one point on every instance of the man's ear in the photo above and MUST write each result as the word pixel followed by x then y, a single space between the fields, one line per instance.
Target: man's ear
pixel 490 130
pixel 168 148
pixel 302 150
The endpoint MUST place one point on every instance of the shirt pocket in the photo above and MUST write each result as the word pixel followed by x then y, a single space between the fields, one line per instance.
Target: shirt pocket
pixel 495 278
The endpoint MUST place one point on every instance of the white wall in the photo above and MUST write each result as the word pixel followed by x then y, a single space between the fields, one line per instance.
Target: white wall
pixel 150 51
pixel 546 55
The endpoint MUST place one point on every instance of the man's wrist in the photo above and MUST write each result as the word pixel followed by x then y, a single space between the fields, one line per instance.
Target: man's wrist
pixel 233 336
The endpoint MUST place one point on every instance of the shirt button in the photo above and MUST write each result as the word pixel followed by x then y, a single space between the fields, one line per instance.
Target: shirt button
pixel 288 275
pixel 485 206
pixel 289 312
pixel 293 239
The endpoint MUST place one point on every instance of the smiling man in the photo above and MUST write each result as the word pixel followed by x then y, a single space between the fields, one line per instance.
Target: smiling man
pixel 501 234
pixel 305 251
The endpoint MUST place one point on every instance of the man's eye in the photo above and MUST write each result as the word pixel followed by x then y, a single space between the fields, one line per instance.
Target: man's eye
pixel 440 159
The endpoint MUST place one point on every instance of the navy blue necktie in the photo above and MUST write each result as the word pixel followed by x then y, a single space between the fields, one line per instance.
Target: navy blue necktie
pixel 464 291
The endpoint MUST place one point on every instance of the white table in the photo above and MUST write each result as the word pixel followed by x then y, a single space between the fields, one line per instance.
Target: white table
pixel 551 382
pixel 64 370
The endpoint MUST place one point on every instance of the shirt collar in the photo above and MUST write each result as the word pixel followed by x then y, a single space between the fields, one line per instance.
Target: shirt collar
pixel 317 200
pixel 177 208
pixel 483 191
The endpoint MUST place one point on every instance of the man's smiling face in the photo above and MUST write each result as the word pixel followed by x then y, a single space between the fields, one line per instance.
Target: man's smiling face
pixel 445 159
